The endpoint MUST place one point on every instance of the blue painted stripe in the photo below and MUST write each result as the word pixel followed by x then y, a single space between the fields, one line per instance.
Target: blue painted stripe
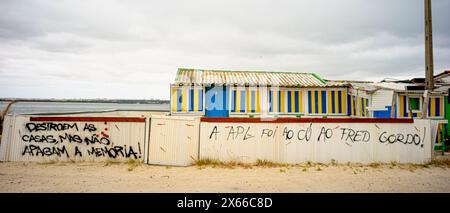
pixel 349 106
pixel 333 102
pixel 242 107
pixel 200 99
pixel 429 106
pixel 297 103
pixel 289 101
pixel 233 101
pixel 437 105
pixel 316 101
pixel 405 111
pixel 309 102
pixel 324 102
pixel 340 101
pixel 279 101
pixel 270 101
pixel 179 100
pixel 253 97
pixel 191 100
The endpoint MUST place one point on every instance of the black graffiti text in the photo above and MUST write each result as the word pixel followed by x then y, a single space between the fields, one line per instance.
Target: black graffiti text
pixel 89 127
pixel 325 133
pixel 214 132
pixel 235 132
pixel 401 138
pixel 39 138
pixel 269 133
pixel 114 152
pixel 49 126
pixel 34 150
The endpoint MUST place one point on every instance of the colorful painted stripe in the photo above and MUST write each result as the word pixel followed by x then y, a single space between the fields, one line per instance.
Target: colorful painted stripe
pixel 435 107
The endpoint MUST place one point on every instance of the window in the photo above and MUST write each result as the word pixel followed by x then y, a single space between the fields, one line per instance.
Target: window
pixel 285 101
pixel 414 103
pixel 245 100
pixel 187 99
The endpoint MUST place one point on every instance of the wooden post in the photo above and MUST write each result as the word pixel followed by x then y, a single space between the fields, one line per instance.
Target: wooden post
pixel 429 66
pixel 425 104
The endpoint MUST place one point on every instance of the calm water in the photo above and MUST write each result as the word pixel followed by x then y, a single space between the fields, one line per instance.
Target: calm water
pixel 58 107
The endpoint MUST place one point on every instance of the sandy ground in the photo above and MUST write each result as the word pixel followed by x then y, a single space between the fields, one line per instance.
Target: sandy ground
pixel 98 177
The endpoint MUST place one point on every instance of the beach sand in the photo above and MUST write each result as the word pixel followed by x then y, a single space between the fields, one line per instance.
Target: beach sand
pixel 101 177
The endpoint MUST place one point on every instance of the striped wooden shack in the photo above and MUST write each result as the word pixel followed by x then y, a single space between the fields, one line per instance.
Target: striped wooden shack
pixel 219 93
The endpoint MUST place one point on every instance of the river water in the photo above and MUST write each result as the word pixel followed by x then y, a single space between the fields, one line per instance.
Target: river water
pixel 59 107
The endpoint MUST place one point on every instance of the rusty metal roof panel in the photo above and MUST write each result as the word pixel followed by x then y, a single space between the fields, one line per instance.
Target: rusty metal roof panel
pixel 252 78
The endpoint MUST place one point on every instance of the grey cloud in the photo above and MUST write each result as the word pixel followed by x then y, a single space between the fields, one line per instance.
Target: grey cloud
pixel 129 49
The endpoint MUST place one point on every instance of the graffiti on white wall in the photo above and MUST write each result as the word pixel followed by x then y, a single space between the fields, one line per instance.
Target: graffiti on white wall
pixel 301 142
pixel 83 140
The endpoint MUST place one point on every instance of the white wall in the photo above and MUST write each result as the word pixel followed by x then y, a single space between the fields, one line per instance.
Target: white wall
pixel 23 140
pixel 381 98
pixel 248 142
pixel 173 140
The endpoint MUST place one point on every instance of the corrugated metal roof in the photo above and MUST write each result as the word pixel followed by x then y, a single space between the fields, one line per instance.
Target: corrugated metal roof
pixel 251 78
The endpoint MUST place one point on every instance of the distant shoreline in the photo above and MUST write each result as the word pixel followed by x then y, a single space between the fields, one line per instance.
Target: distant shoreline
pixel 118 101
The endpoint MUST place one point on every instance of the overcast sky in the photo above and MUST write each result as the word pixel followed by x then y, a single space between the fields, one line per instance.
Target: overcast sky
pixel 132 49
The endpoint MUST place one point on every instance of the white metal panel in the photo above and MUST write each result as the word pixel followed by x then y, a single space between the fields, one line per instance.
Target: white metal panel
pixel 173 140
pixel 286 142
pixel 119 141
pixel 381 98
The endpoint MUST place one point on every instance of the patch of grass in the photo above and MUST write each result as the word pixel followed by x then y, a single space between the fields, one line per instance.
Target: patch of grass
pixel 375 165
pixel 334 162
pixel 318 169
pixel 283 170
pixel 304 169
pixel 394 163
pixel 110 162
pixel 50 162
pixel 133 163
pixel 270 164
pixel 443 163
pixel 207 162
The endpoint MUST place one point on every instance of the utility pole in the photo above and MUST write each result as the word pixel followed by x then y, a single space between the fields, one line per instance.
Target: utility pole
pixel 429 68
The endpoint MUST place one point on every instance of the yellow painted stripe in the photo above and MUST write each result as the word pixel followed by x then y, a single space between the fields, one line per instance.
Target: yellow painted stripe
pixel 183 100
pixel 282 101
pixel 292 101
pixel 174 100
pixel 195 100
pixel 274 101
pixel 330 105
pixel 365 108
pixel 249 100
pixel 352 103
pixel 319 96
pixel 439 133
pixel 400 106
pixel 433 107
pixel 300 101
pixel 257 101
pixel 237 101
pixel 313 102
pixel 344 102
